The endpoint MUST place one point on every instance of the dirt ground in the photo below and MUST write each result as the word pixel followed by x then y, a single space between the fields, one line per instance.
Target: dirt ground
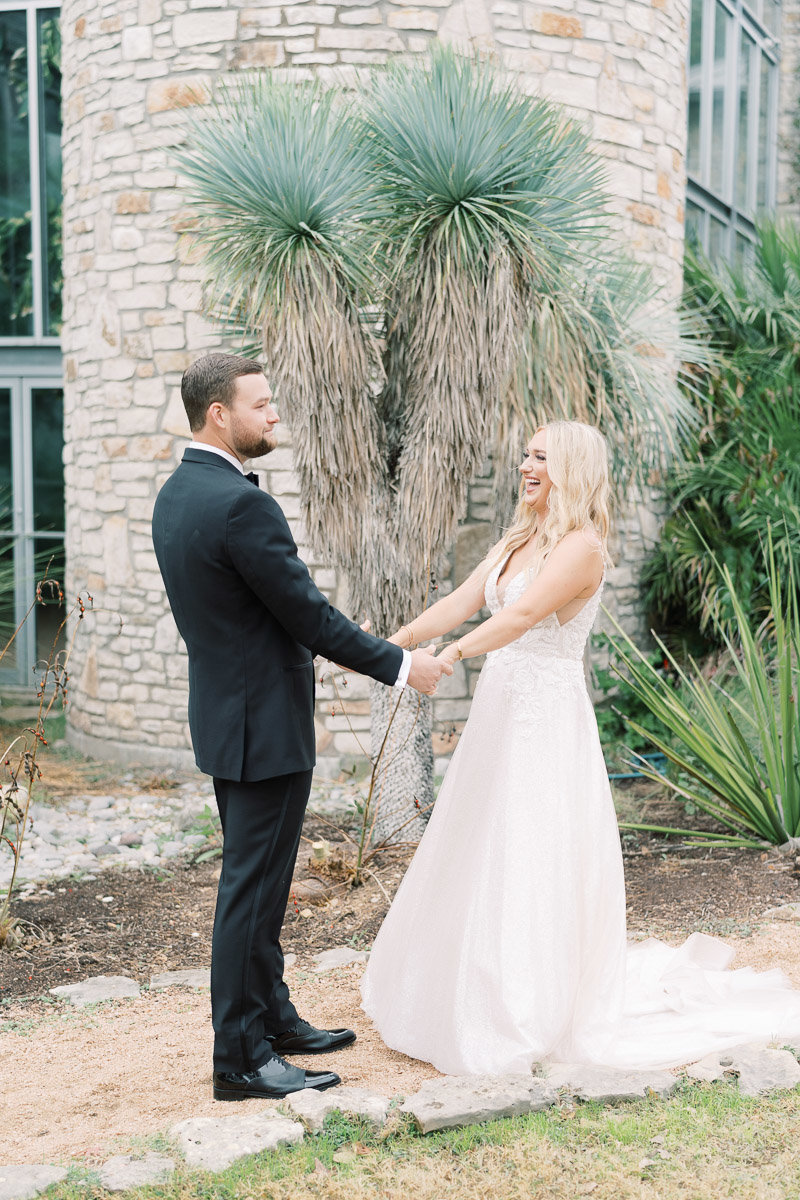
pixel 80 1083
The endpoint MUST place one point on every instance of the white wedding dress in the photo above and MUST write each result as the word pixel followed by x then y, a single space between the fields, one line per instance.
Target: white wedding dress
pixel 505 945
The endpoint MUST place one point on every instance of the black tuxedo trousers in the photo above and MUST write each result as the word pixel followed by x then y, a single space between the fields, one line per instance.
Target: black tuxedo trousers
pixel 261 824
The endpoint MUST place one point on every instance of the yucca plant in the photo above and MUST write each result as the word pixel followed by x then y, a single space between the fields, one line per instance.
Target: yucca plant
pixel 388 248
pixel 734 751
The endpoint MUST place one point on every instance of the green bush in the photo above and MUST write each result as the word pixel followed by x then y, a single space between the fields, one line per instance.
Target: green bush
pixel 740 472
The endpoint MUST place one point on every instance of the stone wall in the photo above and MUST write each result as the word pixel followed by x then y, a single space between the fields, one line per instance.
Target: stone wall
pixel 788 182
pixel 132 69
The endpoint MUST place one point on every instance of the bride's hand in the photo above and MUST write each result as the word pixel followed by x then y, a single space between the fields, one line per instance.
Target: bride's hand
pixel 449 654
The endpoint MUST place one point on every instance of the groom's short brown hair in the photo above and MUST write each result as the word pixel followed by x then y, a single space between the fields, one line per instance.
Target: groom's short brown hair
pixel 212 379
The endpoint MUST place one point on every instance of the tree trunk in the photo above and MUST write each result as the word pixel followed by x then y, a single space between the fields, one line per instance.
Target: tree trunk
pixel 403 790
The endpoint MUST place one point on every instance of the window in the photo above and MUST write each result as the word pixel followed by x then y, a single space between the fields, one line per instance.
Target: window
pixel 30 173
pixel 31 438
pixel 732 119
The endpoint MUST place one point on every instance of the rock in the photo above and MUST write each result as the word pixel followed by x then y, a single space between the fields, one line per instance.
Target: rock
pixel 607 1084
pixel 23 1183
pixel 313 1107
pixel 762 1069
pixel 124 1171
pixel 311 890
pixel 194 977
pixel 213 1143
pixel 759 1067
pixel 98 803
pixel 289 960
pixel 468 1100
pixel 99 987
pixel 784 912
pixel 131 838
pixel 171 849
pixel 339 956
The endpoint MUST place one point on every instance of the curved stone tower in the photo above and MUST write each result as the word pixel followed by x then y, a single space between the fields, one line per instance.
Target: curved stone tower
pixel 131 70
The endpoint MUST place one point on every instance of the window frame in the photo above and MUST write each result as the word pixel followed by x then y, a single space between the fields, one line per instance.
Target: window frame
pixel 31 8
pixel 723 203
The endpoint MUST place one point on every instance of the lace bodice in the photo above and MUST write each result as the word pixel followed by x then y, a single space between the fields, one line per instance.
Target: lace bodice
pixel 545 665
pixel 548 639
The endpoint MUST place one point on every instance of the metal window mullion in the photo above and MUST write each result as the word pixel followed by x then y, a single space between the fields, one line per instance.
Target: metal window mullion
pixel 23 546
pixel 772 137
pixel 706 89
pixel 753 113
pixel 729 111
pixel 35 173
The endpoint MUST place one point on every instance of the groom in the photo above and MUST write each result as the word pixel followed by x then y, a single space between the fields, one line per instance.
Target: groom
pixel 253 620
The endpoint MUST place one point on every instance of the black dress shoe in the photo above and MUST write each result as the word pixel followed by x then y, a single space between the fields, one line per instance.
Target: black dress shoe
pixel 275 1079
pixel 303 1038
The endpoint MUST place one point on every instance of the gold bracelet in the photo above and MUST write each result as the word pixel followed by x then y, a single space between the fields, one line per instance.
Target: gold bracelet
pixel 410 636
pixel 458 650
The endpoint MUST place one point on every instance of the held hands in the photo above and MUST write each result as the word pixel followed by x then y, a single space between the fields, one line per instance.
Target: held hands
pixel 448 656
pixel 427 670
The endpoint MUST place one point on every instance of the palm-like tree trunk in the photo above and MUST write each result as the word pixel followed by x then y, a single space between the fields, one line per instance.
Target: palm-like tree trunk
pixel 401 735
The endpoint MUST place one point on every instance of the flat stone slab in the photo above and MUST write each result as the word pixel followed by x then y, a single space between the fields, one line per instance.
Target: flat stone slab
pixel 23 1183
pixel 784 912
pixel 99 987
pixel 760 1068
pixel 195 977
pixel 313 1107
pixel 213 1143
pixel 472 1099
pixel 124 1171
pixel 339 956
pixel 607 1084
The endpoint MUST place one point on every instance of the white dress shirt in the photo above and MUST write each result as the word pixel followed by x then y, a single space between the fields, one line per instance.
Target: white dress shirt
pixel 405 666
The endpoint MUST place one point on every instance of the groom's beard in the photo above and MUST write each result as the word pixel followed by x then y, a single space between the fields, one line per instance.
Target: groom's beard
pixel 251 445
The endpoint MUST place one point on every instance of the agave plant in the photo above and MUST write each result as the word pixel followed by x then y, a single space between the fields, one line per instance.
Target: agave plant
pixel 389 250
pixel 733 749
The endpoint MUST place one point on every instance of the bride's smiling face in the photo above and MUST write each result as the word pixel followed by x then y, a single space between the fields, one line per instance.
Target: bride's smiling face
pixel 534 472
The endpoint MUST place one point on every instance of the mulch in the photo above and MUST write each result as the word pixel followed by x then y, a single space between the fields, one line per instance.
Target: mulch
pixel 138 923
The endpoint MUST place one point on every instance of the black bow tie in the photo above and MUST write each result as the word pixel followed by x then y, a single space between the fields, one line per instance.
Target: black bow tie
pixel 251 475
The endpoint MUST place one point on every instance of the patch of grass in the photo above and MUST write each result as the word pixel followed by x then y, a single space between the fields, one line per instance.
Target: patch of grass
pixel 707 1142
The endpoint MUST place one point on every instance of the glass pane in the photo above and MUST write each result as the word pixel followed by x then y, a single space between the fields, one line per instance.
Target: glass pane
pixel 6 508
pixel 16 285
pixel 771 15
pixel 744 250
pixel 50 151
pixel 49 614
pixel 743 81
pixel 716 179
pixel 8 618
pixel 762 190
pixel 717 239
pixel 694 224
pixel 695 56
pixel 47 421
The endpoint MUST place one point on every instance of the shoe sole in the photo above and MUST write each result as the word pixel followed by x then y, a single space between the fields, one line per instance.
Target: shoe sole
pixel 223 1094
pixel 325 1050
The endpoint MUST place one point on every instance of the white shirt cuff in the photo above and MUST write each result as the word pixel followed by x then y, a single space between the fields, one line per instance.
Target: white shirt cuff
pixel 405 667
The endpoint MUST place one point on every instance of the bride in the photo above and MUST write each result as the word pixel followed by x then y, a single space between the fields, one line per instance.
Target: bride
pixel 505 945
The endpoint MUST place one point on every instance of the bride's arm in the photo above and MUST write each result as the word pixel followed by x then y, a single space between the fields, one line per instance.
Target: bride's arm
pixel 447 613
pixel 573 568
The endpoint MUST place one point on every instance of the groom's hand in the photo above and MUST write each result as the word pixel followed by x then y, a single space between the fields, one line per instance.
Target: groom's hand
pixel 426 670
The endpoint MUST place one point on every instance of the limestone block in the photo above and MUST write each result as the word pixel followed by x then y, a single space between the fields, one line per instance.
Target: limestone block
pixel 137 42
pixel 450 1102
pixel 361 16
pixel 116 554
pixel 760 1068
pixel 338 956
pixel 357 39
pixel 23 1183
pixel 132 202
pixel 608 1084
pixel 164 95
pixel 414 18
pixel 198 28
pixel 213 1143
pixel 317 14
pixel 124 1171
pixel 259 54
pixel 100 987
pixel 313 1107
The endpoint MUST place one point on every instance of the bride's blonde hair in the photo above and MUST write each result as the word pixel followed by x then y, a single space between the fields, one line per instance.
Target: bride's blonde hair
pixel 577 463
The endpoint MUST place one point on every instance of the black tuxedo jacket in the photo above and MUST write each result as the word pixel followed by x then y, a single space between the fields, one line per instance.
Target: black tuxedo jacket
pixel 252 620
